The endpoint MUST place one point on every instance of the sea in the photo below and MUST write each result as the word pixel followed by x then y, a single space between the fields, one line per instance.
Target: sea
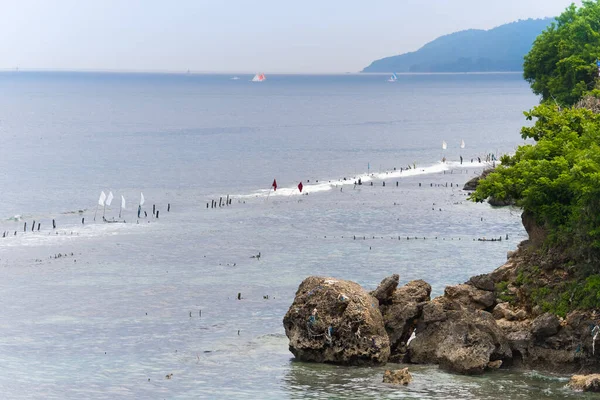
pixel 187 302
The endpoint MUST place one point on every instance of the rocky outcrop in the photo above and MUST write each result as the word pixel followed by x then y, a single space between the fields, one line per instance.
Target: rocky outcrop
pixel 496 202
pixel 470 296
pixel 537 233
pixel 469 329
pixel 336 321
pixel 386 288
pixel 483 282
pixel 400 311
pixel 471 185
pixel 545 325
pixel 397 377
pixel 458 337
pixel 585 383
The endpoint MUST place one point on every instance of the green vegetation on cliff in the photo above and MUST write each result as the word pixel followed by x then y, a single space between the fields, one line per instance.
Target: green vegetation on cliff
pixel 556 181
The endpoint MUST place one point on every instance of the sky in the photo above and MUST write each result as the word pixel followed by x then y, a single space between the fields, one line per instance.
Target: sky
pixel 271 36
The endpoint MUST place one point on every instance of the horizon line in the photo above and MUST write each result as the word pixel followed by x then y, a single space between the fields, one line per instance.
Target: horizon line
pixel 192 72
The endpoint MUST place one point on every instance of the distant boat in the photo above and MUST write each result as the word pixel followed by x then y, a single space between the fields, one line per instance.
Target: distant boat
pixel 235 78
pixel 259 78
pixel 444 145
pixel 393 78
pixel 462 144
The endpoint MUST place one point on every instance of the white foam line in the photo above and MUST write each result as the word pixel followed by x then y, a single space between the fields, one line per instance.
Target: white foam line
pixel 324 186
pixel 67 234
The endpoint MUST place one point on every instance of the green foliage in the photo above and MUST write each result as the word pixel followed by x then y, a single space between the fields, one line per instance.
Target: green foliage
pixel 571 295
pixel 557 180
pixel 503 293
pixel 527 277
pixel 561 65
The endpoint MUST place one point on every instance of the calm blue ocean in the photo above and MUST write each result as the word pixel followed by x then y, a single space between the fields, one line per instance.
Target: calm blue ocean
pixel 100 310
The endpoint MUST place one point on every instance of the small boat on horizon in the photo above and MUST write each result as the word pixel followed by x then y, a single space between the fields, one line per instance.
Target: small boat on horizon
pixel 235 78
pixel 393 78
pixel 259 78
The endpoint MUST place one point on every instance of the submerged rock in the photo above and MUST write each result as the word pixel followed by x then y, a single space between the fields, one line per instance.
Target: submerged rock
pixel 397 377
pixel 336 321
pixel 585 383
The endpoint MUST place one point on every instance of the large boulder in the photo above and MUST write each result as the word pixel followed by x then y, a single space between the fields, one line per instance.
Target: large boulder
pixel 400 312
pixel 460 339
pixel 336 321
pixel 585 383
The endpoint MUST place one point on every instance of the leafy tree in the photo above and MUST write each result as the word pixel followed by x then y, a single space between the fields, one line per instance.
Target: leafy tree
pixel 561 65
pixel 557 180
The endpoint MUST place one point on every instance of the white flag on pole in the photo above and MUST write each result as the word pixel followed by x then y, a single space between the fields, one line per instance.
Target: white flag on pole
pixel 141 199
pixel 444 145
pixel 102 198
pixel 122 202
pixel 109 199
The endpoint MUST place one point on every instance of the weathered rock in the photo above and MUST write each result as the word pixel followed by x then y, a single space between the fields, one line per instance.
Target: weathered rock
pixel 585 383
pixel 496 202
pixel 545 325
pixel 521 315
pixel 415 291
pixel 336 321
pixel 400 314
pixel 470 296
pixel 506 311
pixel 397 377
pixel 457 338
pixel 472 183
pixel 518 333
pixel 483 282
pixel 537 233
pixel 386 288
pixel 503 310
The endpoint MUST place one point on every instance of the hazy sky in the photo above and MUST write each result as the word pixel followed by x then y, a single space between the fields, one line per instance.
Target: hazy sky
pixel 236 35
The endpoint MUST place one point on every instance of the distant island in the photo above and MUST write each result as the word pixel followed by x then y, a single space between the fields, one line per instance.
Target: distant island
pixel 500 49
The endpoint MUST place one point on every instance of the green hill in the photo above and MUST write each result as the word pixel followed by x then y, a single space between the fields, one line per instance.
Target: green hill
pixel 474 50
